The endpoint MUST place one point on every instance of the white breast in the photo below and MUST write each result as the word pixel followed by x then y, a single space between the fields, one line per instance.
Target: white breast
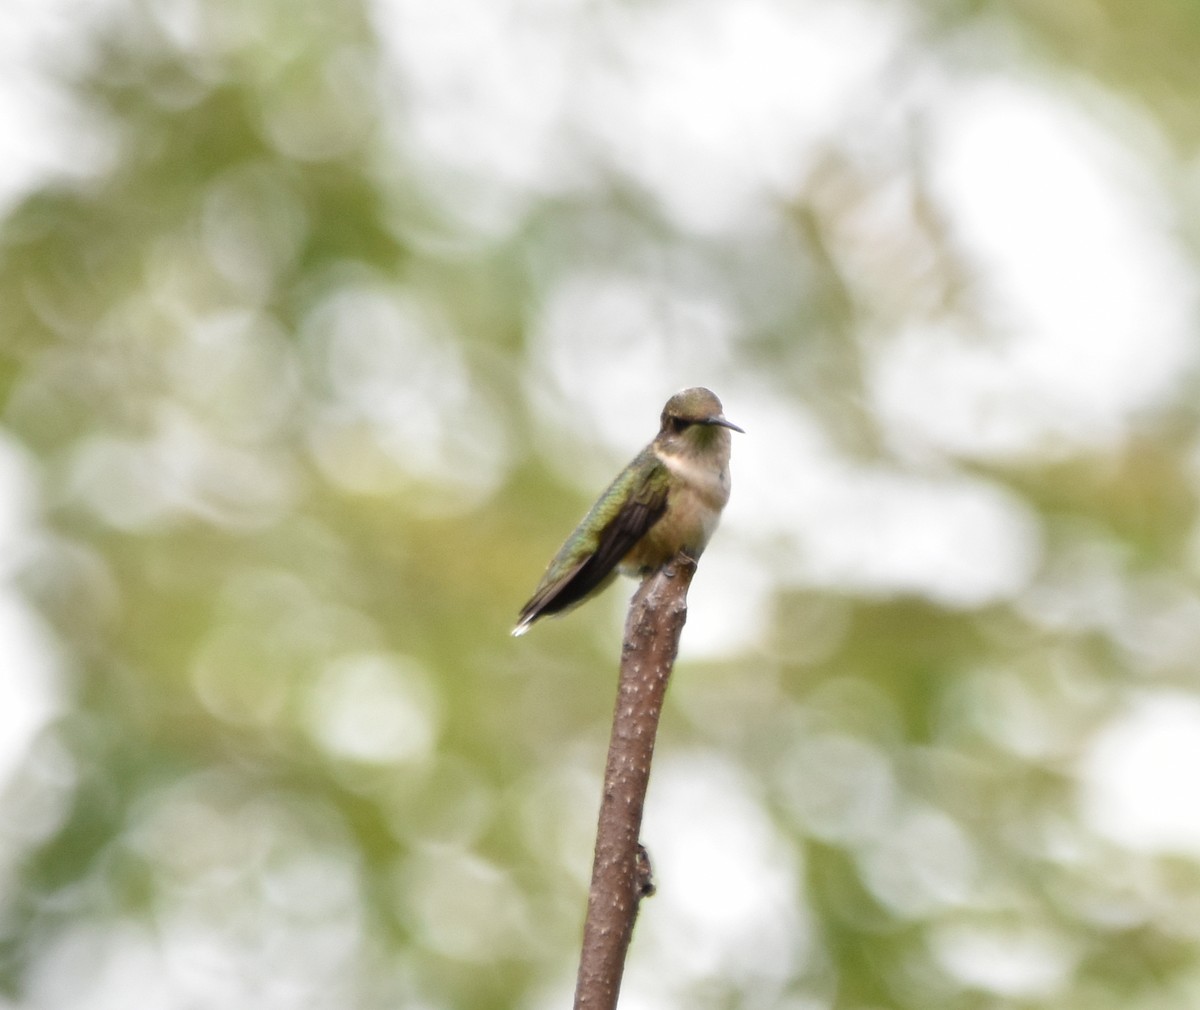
pixel 709 483
pixel 697 501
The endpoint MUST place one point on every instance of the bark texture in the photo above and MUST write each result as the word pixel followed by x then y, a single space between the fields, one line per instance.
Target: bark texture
pixel 621 871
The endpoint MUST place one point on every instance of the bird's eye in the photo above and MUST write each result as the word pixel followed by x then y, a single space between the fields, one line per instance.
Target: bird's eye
pixel 678 424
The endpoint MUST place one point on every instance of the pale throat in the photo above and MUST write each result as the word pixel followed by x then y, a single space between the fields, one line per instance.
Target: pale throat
pixel 705 473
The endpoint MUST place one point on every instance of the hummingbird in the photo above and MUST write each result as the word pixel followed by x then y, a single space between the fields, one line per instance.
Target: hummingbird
pixel 667 500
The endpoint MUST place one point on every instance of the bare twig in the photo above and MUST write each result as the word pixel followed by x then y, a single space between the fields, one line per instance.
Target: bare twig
pixel 621 871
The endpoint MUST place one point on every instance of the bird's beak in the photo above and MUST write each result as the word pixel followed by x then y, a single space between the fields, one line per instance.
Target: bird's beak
pixel 720 419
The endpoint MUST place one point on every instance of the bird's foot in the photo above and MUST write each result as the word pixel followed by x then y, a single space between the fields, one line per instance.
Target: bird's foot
pixel 681 560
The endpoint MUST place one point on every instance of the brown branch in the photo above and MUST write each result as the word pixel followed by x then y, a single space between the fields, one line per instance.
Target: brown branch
pixel 621 871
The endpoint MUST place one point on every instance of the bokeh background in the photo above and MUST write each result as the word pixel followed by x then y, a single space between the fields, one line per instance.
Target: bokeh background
pixel 321 323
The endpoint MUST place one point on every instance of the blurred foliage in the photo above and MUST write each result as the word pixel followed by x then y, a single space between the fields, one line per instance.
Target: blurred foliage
pixel 284 379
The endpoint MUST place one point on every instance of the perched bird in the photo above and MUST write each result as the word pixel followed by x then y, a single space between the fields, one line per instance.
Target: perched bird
pixel 667 500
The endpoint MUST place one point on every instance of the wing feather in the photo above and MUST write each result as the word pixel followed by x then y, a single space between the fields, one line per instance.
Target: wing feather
pixel 643 507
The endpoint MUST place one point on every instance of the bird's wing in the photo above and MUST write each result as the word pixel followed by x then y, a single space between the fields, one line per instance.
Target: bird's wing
pixel 567 581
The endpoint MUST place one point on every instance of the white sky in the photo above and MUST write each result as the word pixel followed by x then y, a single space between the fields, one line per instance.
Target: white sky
pixel 1139 775
pixel 44 132
pixel 30 664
